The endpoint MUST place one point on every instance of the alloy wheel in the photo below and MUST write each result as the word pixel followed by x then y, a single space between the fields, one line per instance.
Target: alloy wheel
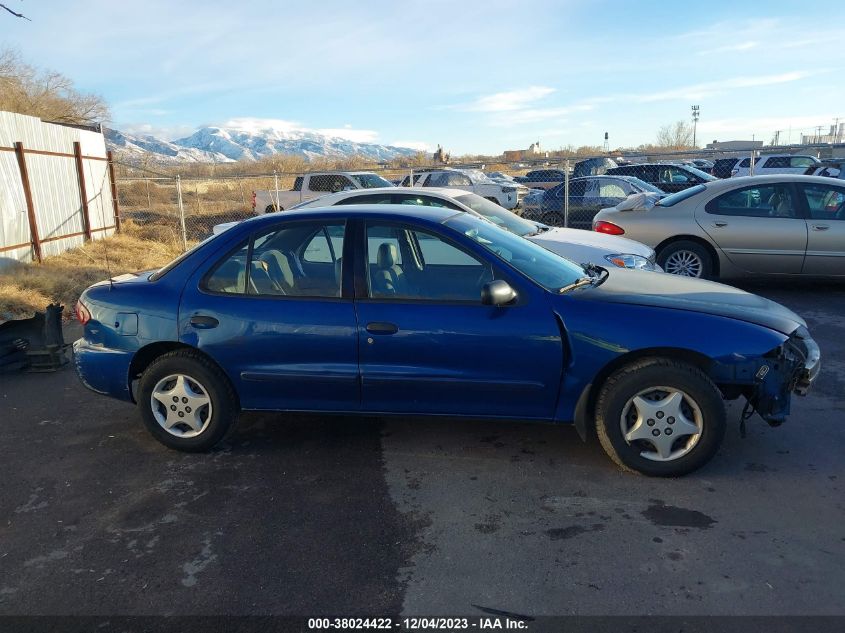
pixel 684 263
pixel 181 405
pixel 663 423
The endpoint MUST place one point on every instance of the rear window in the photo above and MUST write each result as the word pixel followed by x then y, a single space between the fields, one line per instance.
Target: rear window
pixel 675 198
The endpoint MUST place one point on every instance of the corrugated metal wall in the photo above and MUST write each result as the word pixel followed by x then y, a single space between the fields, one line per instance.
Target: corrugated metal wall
pixel 54 186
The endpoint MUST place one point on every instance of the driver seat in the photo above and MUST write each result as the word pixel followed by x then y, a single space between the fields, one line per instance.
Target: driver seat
pixel 388 277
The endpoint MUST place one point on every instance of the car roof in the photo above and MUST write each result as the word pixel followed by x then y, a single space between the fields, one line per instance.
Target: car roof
pixel 445 192
pixel 432 214
pixel 337 172
pixel 740 181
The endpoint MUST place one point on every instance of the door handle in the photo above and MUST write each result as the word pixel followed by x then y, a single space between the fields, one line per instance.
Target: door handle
pixel 821 227
pixel 720 223
pixel 202 322
pixel 380 327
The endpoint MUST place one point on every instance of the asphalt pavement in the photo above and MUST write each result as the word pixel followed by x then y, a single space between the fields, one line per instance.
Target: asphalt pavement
pixel 339 516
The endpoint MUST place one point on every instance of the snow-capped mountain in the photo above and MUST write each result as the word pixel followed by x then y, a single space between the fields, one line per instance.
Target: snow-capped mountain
pixel 149 148
pixel 225 144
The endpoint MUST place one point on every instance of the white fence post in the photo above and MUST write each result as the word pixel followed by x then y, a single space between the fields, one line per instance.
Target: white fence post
pixel 181 212
pixel 566 193
pixel 276 181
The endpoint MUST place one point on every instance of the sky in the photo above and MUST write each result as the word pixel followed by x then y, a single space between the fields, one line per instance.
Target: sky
pixel 475 77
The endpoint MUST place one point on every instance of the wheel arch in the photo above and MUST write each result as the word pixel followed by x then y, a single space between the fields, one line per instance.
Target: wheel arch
pixel 714 255
pixel 585 408
pixel 145 356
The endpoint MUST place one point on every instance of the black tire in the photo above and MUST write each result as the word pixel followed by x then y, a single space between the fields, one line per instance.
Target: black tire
pixel 552 218
pixel 638 377
pixel 272 208
pixel 692 248
pixel 224 400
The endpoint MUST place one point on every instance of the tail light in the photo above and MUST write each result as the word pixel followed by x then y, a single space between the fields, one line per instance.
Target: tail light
pixel 253 200
pixel 608 227
pixel 82 313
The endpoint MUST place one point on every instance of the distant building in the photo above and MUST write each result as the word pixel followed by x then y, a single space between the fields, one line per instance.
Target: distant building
pixel 835 135
pixel 734 146
pixel 533 151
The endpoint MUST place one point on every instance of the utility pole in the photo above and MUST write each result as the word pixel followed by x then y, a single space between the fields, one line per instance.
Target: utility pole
pixel 695 114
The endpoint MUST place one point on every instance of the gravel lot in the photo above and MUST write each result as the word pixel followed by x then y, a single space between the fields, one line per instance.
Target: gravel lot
pixel 319 516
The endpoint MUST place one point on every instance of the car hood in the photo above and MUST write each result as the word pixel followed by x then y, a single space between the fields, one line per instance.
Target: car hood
pixel 612 244
pixel 696 295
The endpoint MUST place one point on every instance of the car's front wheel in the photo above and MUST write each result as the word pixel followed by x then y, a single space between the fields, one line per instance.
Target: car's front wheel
pixel 660 417
pixel 687 259
pixel 186 401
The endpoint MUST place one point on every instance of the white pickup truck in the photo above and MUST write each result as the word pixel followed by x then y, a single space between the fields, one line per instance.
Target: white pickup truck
pixel 310 186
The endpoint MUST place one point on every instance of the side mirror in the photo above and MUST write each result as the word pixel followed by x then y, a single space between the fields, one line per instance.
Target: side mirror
pixel 497 293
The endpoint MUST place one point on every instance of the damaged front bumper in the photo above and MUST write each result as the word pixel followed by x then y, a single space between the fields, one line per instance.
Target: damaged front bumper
pixel 791 368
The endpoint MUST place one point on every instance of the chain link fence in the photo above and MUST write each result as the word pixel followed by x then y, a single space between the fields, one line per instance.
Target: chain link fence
pixel 565 191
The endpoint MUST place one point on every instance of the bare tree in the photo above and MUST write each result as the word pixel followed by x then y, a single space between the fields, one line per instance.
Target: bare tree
pixel 675 136
pixel 46 94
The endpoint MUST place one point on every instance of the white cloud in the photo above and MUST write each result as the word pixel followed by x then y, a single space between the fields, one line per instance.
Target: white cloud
pixel 164 132
pixel 507 101
pixel 421 146
pixel 350 134
pixel 730 48
pixel 708 89
pixel 254 125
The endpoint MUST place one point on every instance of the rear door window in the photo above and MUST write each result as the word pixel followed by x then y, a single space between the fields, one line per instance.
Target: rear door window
pixel 301 259
pixel 825 202
pixel 761 201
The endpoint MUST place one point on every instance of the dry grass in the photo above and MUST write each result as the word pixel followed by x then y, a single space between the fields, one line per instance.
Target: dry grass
pixel 25 288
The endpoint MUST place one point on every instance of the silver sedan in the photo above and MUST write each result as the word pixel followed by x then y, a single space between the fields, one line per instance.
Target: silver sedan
pixel 742 227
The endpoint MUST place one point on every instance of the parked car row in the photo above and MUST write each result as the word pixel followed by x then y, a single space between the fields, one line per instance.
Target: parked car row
pixel 576 245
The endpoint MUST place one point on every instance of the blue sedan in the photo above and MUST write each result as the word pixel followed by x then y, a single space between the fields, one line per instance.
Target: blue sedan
pixel 391 310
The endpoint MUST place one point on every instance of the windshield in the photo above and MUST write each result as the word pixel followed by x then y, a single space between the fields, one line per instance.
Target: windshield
pixel 675 198
pixel 477 175
pixel 701 174
pixel 497 215
pixel 645 186
pixel 551 271
pixel 371 181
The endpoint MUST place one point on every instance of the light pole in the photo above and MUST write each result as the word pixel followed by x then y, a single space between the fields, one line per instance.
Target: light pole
pixel 695 114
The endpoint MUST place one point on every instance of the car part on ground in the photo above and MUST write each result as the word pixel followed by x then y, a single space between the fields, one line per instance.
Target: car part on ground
pixel 35 344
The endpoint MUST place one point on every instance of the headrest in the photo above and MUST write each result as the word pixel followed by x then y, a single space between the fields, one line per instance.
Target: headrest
pixel 387 255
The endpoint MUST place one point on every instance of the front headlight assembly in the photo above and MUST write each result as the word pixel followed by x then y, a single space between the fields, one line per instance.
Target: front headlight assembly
pixel 627 260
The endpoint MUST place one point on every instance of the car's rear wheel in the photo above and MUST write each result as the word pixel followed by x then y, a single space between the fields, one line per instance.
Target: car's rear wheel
pixel 687 259
pixel 552 218
pixel 660 417
pixel 186 401
pixel 272 208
